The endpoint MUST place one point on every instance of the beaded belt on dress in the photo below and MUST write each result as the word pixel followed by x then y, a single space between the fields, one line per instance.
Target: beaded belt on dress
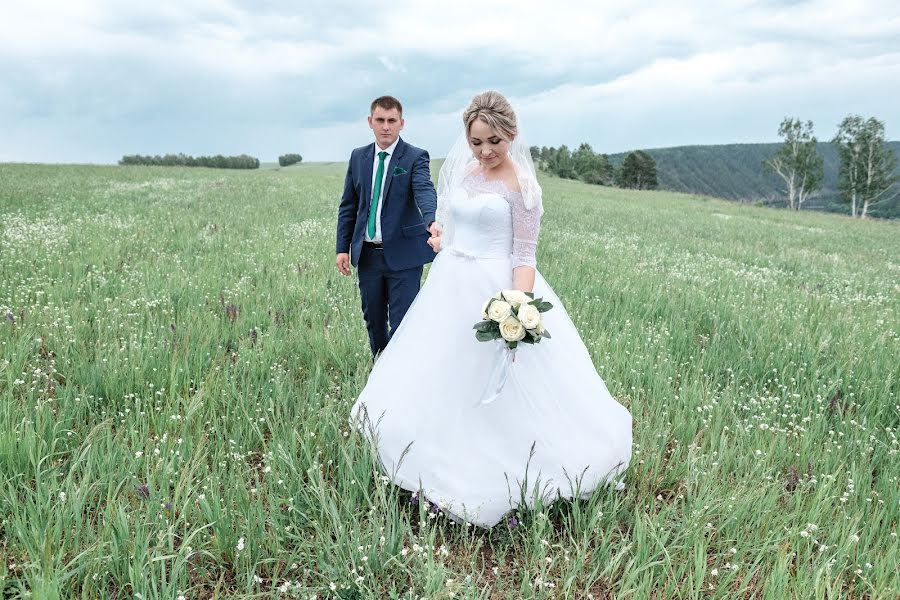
pixel 472 255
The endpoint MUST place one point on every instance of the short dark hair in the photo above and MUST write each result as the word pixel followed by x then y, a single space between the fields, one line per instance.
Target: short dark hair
pixel 387 103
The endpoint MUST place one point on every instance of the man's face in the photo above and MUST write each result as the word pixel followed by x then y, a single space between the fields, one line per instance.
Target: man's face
pixel 386 123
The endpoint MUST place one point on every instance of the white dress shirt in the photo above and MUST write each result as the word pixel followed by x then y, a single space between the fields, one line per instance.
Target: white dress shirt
pixel 387 159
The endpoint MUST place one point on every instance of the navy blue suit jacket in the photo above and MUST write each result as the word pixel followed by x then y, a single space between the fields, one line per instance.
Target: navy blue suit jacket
pixel 408 206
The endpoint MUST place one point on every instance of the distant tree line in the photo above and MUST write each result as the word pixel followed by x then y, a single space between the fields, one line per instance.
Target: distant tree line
pixel 637 171
pixel 866 176
pixel 286 160
pixel 182 160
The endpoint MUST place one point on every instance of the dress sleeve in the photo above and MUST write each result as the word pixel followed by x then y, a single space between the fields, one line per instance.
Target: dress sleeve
pixel 526 226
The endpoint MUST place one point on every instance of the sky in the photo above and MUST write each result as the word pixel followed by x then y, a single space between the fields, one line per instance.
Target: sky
pixel 92 80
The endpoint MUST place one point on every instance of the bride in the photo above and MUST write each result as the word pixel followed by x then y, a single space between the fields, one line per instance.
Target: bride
pixel 552 429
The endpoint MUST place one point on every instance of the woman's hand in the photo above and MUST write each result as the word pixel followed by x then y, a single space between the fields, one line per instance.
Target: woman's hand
pixel 436 232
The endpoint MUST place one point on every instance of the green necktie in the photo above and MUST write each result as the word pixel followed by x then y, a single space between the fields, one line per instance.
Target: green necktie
pixel 376 192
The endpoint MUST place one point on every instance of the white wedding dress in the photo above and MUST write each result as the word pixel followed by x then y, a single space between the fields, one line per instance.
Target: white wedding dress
pixel 422 403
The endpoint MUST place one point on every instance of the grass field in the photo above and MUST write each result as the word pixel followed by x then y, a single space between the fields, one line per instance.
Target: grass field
pixel 178 356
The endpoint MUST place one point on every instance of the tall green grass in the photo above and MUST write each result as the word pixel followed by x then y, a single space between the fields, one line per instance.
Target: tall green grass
pixel 178 356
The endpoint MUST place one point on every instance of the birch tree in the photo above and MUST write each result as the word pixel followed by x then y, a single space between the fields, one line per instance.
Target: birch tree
pixel 866 176
pixel 798 162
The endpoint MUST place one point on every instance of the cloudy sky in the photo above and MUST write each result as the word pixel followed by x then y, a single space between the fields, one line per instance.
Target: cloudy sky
pixel 91 80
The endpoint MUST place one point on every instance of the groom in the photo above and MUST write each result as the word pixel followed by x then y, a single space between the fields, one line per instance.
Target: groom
pixel 384 221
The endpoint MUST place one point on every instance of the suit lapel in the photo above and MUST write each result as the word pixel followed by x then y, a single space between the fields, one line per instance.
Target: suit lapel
pixel 389 175
pixel 367 158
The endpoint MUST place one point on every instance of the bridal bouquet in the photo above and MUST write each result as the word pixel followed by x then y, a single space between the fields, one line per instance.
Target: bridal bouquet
pixel 513 316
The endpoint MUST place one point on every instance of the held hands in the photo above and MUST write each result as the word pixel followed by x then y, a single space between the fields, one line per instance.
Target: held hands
pixel 435 240
pixel 343 263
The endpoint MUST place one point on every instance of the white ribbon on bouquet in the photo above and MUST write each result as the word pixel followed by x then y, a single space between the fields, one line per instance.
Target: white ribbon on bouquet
pixel 501 372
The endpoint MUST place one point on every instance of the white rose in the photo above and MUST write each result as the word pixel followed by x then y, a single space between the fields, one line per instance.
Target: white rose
pixel 499 310
pixel 540 326
pixel 529 315
pixel 511 329
pixel 516 297
pixel 484 308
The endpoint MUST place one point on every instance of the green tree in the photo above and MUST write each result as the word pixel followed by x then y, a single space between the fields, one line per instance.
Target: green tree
pixel 545 154
pixel 648 171
pixel 648 179
pixel 561 163
pixel 866 173
pixel 286 160
pixel 592 167
pixel 583 160
pixel 605 170
pixel 798 161
pixel 638 171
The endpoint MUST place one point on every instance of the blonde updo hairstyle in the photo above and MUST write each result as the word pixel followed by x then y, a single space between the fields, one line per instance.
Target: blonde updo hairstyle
pixel 495 110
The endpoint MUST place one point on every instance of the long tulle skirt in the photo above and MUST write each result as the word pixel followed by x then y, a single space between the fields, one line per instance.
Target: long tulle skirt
pixel 553 431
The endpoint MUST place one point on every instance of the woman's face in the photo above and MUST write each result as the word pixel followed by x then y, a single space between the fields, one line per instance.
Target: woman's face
pixel 487 145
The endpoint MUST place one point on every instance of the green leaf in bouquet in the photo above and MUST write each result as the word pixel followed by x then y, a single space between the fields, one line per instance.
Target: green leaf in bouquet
pixel 544 306
pixel 530 295
pixel 512 345
pixel 546 334
pixel 484 336
pixel 526 340
pixel 484 325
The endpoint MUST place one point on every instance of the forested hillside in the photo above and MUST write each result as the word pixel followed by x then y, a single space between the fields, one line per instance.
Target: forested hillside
pixel 736 172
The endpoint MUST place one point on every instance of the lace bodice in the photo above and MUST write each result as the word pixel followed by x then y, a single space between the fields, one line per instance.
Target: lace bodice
pixel 490 220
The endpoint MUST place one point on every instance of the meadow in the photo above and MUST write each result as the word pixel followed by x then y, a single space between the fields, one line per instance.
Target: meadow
pixel 178 356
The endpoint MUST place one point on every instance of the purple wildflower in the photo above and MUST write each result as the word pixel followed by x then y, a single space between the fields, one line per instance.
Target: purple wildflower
pixel 143 491
pixel 512 522
pixel 11 318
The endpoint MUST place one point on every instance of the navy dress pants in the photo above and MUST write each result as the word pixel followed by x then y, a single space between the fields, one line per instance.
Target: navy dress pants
pixel 386 295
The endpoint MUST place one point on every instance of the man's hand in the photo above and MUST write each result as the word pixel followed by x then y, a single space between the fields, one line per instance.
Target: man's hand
pixel 343 263
pixel 434 229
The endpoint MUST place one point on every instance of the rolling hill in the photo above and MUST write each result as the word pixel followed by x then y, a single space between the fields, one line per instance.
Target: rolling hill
pixel 736 172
